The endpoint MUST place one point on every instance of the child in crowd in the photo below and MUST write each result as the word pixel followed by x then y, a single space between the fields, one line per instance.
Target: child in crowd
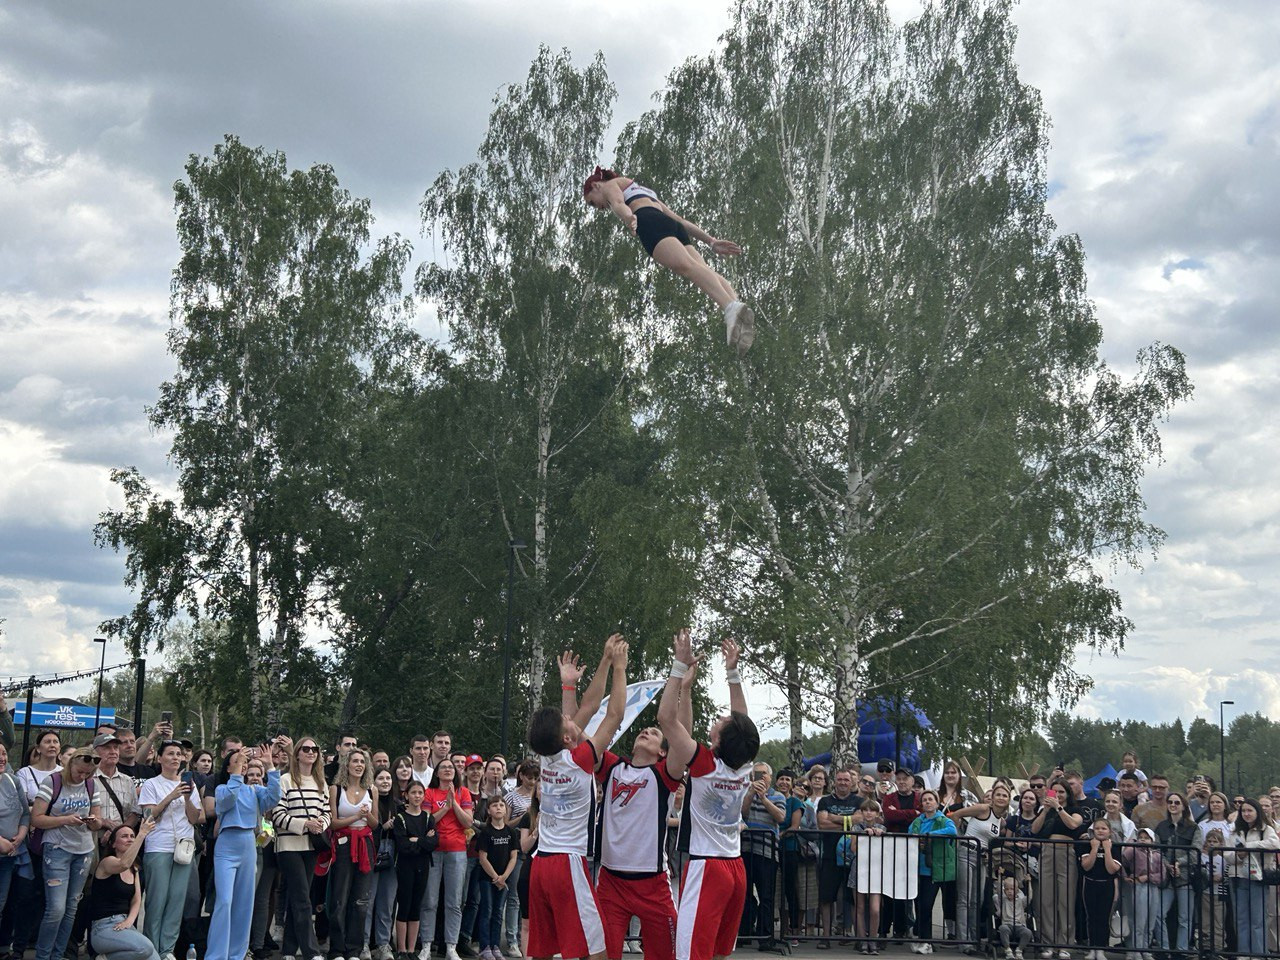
pixel 1011 910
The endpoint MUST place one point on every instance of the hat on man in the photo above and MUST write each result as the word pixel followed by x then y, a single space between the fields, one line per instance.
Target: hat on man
pixel 102 739
pixel 474 759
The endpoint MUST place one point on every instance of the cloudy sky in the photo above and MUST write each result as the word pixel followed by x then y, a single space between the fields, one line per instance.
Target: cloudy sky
pixel 1166 148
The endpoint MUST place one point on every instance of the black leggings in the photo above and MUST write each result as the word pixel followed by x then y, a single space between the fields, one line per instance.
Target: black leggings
pixel 1099 899
pixel 411 879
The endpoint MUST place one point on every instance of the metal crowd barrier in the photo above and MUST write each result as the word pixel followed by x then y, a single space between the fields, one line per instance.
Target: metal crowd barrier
pixel 865 892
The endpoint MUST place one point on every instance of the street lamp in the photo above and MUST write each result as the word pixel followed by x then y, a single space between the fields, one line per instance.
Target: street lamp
pixel 512 547
pixel 102 668
pixel 1222 743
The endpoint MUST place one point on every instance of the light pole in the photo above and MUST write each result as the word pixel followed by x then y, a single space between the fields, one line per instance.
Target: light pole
pixel 512 547
pixel 102 668
pixel 1222 743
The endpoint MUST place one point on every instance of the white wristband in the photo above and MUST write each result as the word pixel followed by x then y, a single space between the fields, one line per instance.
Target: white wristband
pixel 733 676
pixel 678 669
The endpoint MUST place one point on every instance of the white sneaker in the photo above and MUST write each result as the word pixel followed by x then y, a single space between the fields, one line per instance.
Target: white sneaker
pixel 1017 954
pixel 1064 955
pixel 732 329
pixel 926 948
pixel 746 329
pixel 914 947
pixel 365 953
pixel 451 952
pixel 513 951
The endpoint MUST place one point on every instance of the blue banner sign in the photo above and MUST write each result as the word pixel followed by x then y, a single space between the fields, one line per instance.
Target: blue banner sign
pixel 75 716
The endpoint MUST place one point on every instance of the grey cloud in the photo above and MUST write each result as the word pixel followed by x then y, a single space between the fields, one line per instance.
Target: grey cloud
pixel 46 552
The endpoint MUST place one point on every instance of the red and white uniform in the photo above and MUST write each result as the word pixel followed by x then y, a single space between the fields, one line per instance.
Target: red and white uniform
pixel 714 887
pixel 633 856
pixel 563 915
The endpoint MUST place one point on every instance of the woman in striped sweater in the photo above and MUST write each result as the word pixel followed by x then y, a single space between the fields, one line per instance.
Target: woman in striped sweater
pixel 301 815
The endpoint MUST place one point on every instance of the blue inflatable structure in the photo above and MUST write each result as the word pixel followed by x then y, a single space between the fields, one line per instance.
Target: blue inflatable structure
pixel 883 727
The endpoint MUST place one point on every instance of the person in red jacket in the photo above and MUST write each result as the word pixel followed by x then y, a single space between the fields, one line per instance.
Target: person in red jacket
pixel 900 808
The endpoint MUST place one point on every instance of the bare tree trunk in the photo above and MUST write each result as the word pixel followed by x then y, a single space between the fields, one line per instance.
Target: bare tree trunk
pixel 275 666
pixel 847 688
pixel 537 632
pixel 795 742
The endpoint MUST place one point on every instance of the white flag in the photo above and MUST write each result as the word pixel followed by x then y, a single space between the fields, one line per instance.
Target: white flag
pixel 639 696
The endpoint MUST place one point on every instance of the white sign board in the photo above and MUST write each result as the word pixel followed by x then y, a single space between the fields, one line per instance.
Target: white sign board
pixel 889 865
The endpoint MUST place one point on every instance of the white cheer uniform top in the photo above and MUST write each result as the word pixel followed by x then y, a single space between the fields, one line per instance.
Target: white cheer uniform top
pixel 633 820
pixel 568 802
pixel 713 805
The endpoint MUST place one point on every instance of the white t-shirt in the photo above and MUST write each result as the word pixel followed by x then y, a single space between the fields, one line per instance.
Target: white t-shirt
pixel 172 825
pixel 423 777
pixel 33 779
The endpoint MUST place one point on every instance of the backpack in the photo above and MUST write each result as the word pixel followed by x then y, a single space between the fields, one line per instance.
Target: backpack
pixel 35 839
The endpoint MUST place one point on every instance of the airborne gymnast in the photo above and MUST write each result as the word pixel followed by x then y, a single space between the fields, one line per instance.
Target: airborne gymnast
pixel 668 239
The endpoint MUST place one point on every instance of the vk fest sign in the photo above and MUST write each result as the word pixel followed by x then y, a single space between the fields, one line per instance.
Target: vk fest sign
pixel 62 715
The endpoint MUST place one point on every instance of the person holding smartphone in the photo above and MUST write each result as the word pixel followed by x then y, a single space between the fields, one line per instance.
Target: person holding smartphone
pixel 167 853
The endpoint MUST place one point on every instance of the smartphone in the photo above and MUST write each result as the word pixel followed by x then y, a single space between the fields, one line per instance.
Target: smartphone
pixel 758 775
pixel 166 716
pixel 187 777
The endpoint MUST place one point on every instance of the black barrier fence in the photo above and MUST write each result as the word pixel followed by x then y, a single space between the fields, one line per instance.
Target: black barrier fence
pixel 1048 898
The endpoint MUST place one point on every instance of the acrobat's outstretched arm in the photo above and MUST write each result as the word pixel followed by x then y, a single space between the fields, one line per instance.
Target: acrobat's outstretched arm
pixel 723 247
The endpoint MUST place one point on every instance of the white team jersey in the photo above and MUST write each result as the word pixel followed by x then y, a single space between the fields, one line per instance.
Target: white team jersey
pixel 568 801
pixel 713 805
pixel 633 820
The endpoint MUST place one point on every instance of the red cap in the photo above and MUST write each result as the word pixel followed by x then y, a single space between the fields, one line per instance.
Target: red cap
pixel 474 758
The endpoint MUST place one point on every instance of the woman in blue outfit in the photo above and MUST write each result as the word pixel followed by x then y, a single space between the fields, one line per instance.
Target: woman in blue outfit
pixel 116 897
pixel 240 809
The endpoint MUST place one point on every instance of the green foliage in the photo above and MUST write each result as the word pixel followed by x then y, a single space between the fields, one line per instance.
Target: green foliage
pixel 1252 748
pixel 912 477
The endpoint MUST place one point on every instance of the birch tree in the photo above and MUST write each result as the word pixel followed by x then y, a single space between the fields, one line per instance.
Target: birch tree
pixel 528 281
pixel 922 470
pixel 282 306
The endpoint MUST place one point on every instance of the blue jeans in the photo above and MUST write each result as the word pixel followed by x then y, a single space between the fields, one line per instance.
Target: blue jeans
pixel 127 944
pixel 8 868
pixel 166 895
pixel 1184 897
pixel 1249 901
pixel 384 908
pixel 448 872
pixel 492 902
pixel 471 902
pixel 513 901
pixel 1150 904
pixel 64 878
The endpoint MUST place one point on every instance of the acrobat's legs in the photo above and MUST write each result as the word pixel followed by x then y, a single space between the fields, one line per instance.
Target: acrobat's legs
pixel 728 287
pixel 686 262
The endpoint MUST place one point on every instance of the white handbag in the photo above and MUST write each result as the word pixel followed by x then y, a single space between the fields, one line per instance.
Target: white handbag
pixel 184 850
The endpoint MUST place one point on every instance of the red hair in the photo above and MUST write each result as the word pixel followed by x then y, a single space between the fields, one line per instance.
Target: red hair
pixel 599 175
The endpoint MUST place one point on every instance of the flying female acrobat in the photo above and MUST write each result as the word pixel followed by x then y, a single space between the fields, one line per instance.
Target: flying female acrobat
pixel 666 237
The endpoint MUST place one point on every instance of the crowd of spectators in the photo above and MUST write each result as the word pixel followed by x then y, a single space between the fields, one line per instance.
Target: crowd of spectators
pixel 1136 865
pixel 149 849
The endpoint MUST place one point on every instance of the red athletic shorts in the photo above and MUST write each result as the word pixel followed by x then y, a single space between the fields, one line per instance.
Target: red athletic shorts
pixel 563 915
pixel 712 894
pixel 650 900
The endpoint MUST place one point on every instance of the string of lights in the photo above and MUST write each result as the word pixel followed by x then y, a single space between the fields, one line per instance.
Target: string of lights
pixel 13 686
